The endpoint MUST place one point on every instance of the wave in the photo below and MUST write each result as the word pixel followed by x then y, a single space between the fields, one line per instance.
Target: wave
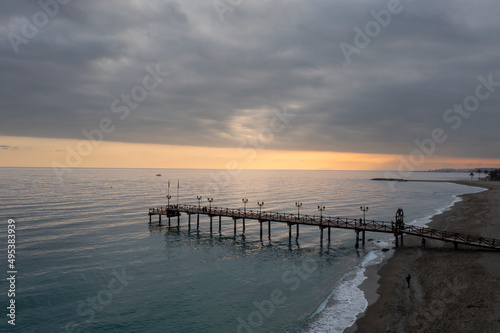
pixel 344 304
pixel 342 307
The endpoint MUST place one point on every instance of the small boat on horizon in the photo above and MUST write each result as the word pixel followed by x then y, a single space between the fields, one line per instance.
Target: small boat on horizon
pixel 158 175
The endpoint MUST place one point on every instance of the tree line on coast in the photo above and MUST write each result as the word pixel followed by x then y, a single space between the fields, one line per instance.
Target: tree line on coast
pixel 495 174
pixel 492 174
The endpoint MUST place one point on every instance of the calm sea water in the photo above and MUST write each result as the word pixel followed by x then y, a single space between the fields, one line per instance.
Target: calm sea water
pixel 89 261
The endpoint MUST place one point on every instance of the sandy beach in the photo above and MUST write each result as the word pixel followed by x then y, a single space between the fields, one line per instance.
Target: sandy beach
pixel 450 290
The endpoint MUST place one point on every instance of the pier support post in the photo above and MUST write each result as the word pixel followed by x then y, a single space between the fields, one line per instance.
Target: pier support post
pixel 260 230
pixel 178 220
pixel 401 239
pixel 169 221
pixel 211 224
pixel 363 238
pixel 297 232
pixel 234 220
pixel 289 231
pixel 149 218
pixel 243 225
pixel 220 227
pixel 198 222
pixel 357 238
pixel 329 234
pixel 455 244
pixel 269 229
pixel 321 234
pixel 189 221
pixel 396 240
pixel 159 219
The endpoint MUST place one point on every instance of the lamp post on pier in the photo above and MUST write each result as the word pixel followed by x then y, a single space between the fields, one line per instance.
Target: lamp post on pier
pixel 244 200
pixel 321 209
pixel 364 209
pixel 198 215
pixel 260 207
pixel 298 205
pixel 168 200
pixel 210 200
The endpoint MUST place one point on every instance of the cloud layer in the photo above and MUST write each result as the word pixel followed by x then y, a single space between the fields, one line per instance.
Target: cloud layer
pixel 225 76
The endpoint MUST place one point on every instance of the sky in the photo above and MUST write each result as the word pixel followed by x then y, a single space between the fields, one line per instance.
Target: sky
pixel 282 84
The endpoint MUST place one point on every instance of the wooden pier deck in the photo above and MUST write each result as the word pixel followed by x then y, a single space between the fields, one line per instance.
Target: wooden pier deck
pixel 398 228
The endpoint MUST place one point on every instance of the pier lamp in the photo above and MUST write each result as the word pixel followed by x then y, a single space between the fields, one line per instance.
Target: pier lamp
pixel 364 209
pixel 244 200
pixel 260 207
pixel 168 200
pixel 321 209
pixel 199 201
pixel 298 205
pixel 210 200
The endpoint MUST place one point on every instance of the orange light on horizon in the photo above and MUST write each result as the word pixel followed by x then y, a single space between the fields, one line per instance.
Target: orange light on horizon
pixel 64 153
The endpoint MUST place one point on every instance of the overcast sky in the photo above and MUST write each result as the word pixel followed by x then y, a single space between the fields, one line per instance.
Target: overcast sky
pixel 228 71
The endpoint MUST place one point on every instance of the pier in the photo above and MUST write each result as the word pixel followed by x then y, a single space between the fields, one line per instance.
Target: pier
pixel 359 226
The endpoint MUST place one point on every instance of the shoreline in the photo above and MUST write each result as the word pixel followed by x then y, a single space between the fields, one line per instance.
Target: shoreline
pixel 462 300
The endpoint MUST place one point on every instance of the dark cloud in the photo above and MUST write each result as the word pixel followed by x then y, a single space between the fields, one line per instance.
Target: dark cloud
pixel 227 75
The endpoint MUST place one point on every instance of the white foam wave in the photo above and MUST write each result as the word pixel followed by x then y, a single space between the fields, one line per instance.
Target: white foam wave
pixel 346 302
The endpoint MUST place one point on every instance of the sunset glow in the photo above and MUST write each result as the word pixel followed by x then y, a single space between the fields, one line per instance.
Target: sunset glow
pixel 36 152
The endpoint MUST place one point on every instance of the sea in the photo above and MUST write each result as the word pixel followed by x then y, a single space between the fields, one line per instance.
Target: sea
pixel 87 258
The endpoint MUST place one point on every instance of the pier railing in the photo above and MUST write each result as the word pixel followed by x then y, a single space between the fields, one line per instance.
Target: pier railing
pixel 265 216
pixel 398 229
pixel 454 237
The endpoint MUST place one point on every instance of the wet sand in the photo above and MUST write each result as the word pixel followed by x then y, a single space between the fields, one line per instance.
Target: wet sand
pixel 450 290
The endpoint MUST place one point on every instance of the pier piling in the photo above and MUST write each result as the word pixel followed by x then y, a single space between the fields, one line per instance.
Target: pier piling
pixel 397 227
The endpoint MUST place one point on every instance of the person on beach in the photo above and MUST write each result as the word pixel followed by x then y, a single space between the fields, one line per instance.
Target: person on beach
pixel 408 278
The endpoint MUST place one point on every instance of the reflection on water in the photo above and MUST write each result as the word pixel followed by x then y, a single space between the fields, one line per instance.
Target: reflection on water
pixel 73 237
